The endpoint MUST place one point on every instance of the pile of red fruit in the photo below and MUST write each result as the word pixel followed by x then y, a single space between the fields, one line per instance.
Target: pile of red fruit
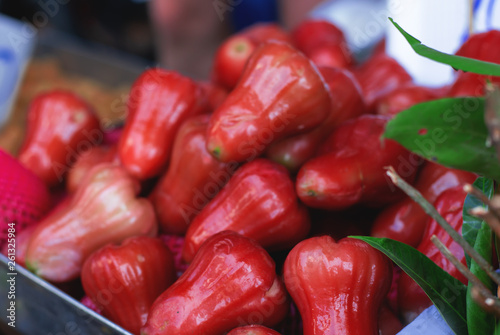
pixel 224 206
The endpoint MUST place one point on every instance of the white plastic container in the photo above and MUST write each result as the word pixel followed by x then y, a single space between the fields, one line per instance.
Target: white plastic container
pixel 364 22
pixel 442 25
pixel 429 321
pixel 17 39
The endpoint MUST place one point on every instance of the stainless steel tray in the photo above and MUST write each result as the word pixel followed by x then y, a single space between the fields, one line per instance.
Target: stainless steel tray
pixel 43 309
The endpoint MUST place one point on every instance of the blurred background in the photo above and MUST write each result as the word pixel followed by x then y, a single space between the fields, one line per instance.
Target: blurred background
pixel 122 24
pixel 98 47
pixel 180 34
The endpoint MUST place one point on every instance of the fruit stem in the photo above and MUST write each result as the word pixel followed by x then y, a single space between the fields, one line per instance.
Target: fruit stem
pixel 433 213
pixel 216 152
pixel 485 296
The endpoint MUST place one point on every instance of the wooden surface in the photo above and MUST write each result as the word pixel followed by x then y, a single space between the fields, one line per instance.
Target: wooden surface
pixel 43 75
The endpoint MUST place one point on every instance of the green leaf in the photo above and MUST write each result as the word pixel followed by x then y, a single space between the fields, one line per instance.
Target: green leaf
pixel 497 247
pixel 457 62
pixel 448 131
pixel 471 223
pixel 478 234
pixel 497 328
pixel 480 322
pixel 446 293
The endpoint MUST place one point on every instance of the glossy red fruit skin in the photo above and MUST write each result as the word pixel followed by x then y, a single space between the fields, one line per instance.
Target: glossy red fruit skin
pixel 411 298
pixel 379 75
pixel 191 180
pixel 280 94
pixel 402 222
pixel 230 60
pixel 389 323
pixel 104 209
pixel 215 93
pixel 266 31
pixel 313 33
pixel 258 202
pixel 86 161
pixel 405 221
pixel 347 102
pixel 60 127
pixel 332 55
pixel 323 42
pixel 350 167
pixel 160 100
pixel 335 285
pixel 253 330
pixel 124 280
pixel 404 97
pixel 232 55
pixel 483 46
pixel 471 84
pixel 231 282
pixel 346 92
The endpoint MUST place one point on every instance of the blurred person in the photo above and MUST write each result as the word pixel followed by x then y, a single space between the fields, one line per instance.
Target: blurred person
pixel 294 11
pixel 188 32
pixel 121 24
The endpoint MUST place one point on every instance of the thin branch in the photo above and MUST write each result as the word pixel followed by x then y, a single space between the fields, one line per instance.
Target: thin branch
pixel 492 204
pixel 489 304
pixel 468 188
pixel 483 295
pixel 460 267
pixel 432 212
pixel 471 17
